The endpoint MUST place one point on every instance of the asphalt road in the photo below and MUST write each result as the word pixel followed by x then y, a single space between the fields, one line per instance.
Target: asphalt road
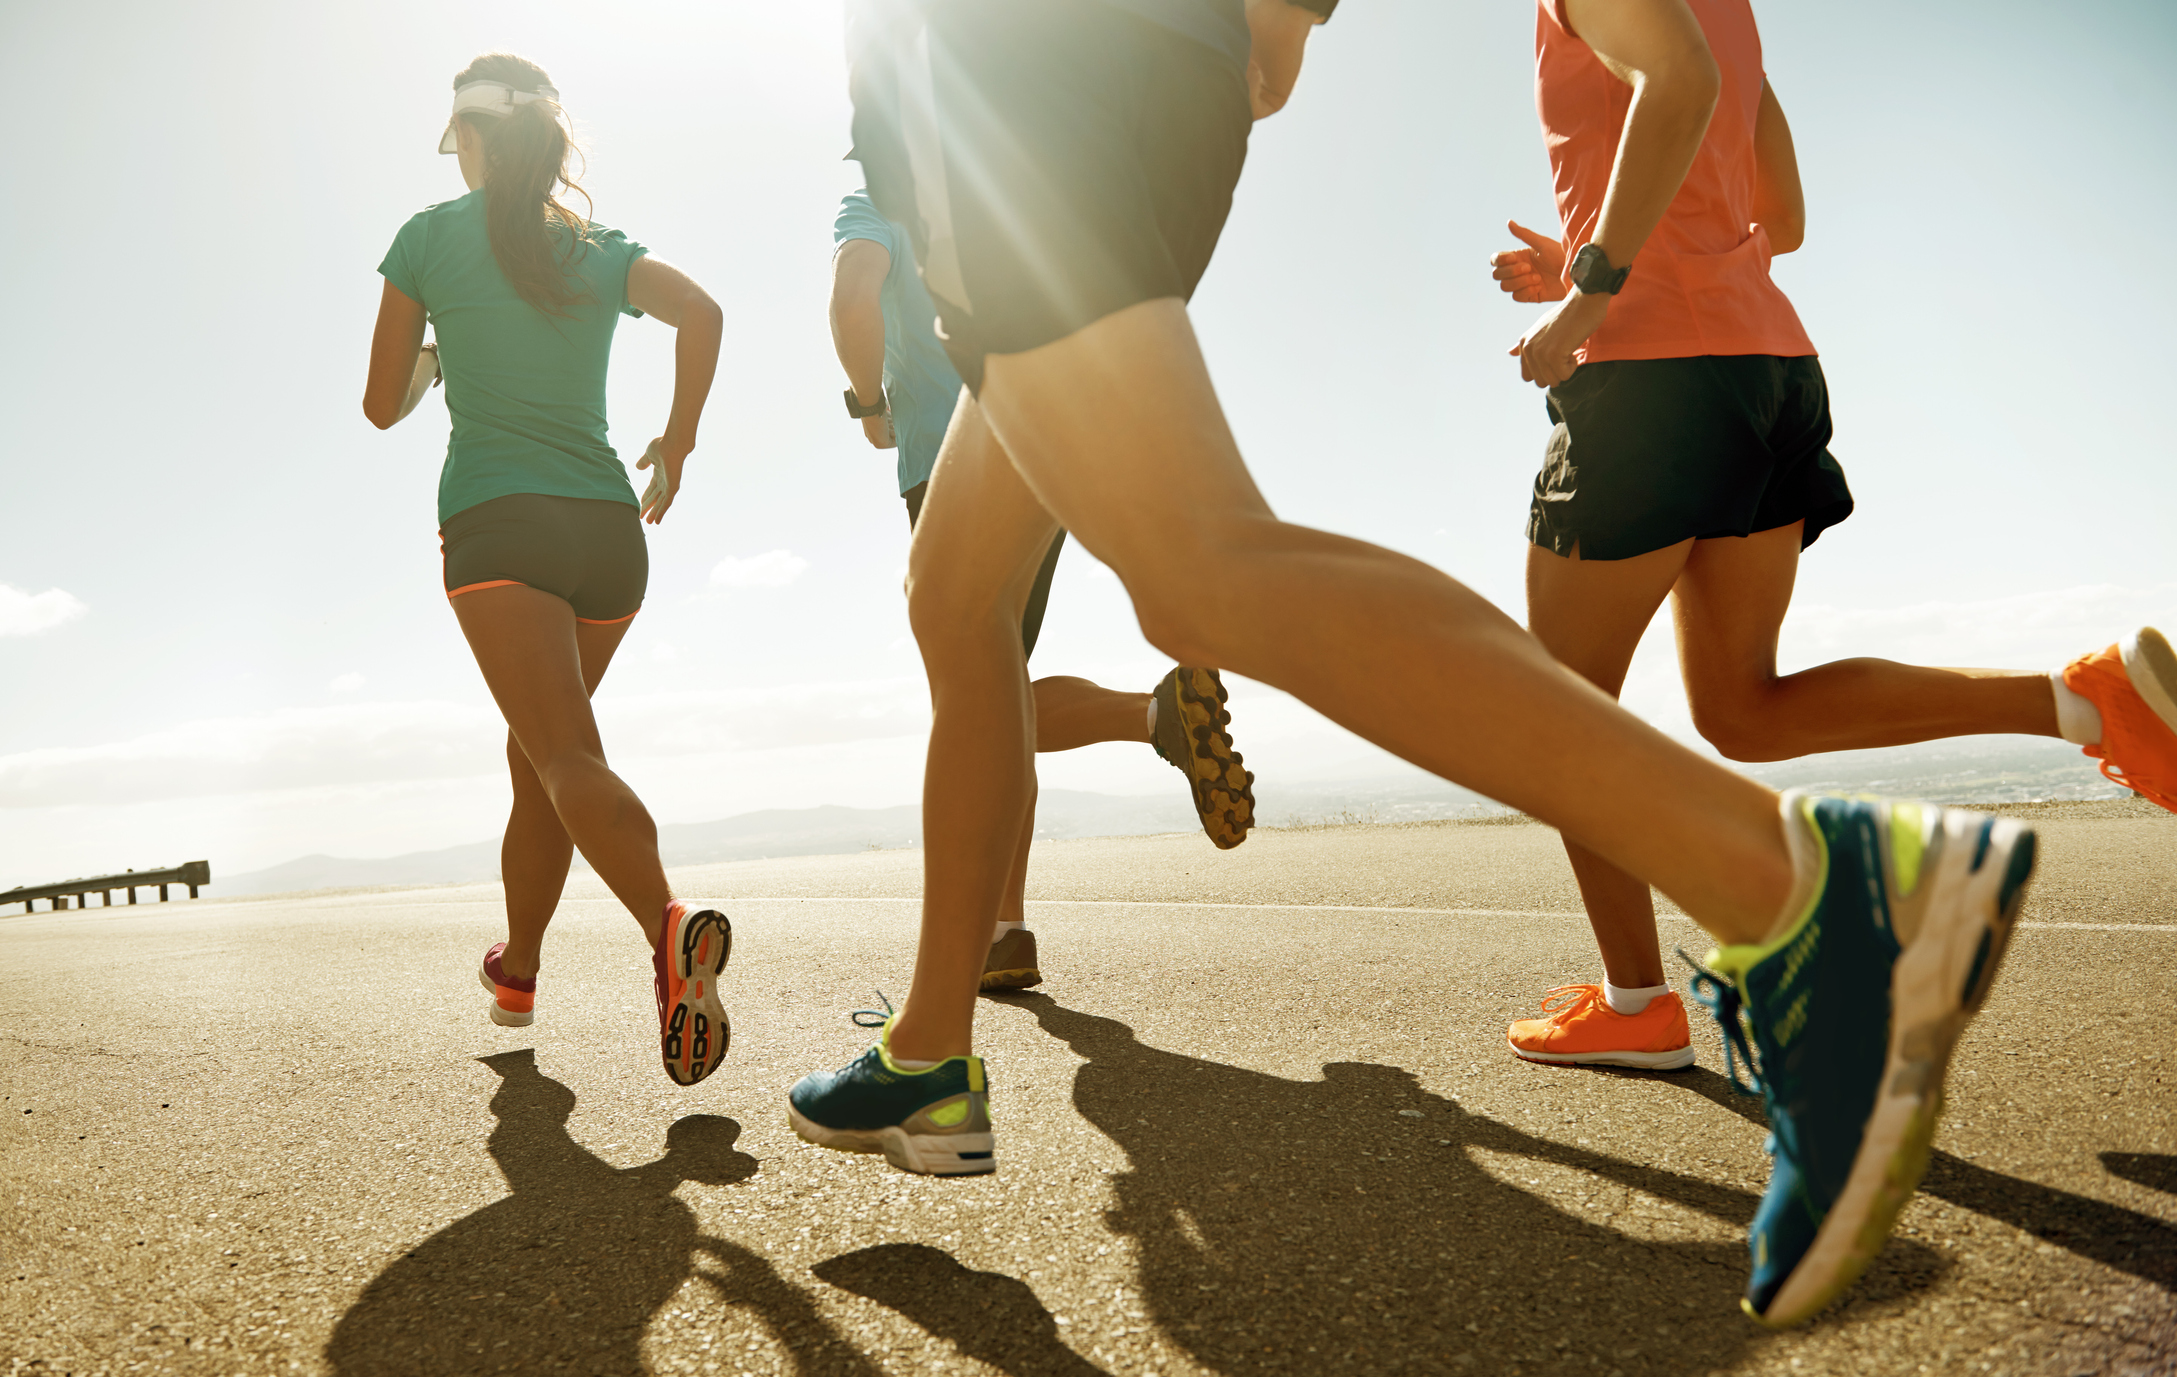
pixel 1260 1119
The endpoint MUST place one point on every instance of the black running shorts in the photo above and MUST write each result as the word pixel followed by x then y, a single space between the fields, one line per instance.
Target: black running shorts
pixel 1039 596
pixel 1650 452
pixel 1054 161
pixel 586 550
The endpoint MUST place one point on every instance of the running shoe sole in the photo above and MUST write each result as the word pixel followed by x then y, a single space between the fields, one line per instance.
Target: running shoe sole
pixel 1223 790
pixel 1675 1060
pixel 2152 667
pixel 930 1154
pixel 696 1031
pixel 1941 979
pixel 504 1017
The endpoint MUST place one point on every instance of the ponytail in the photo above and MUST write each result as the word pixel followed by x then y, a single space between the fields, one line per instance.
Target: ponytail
pixel 525 165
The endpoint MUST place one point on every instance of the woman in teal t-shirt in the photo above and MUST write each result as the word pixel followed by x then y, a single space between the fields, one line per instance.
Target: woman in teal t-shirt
pixel 545 559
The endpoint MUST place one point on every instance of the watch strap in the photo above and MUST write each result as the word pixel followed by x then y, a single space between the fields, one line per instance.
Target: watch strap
pixel 860 412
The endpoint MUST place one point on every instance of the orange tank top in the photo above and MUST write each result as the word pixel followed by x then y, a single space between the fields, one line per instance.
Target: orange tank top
pixel 1700 285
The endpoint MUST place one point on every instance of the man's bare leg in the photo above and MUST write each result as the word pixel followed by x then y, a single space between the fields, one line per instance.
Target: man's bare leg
pixel 1115 430
pixel 1071 713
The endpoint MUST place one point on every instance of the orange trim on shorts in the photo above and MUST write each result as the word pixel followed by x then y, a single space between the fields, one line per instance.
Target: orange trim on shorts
pixel 606 621
pixel 495 583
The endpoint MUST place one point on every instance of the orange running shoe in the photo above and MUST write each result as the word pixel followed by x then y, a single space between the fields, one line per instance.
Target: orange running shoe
pixel 1581 1029
pixel 2134 684
pixel 692 1027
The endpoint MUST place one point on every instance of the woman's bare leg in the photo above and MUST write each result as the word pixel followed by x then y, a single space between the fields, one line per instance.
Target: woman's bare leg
pixel 1116 431
pixel 1591 614
pixel 1730 604
pixel 536 851
pixel 1071 713
pixel 526 644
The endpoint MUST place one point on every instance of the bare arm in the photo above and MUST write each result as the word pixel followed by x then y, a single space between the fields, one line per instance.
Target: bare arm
pixel 1280 32
pixel 661 290
pixel 1657 48
pixel 1779 205
pixel 858 272
pixel 394 348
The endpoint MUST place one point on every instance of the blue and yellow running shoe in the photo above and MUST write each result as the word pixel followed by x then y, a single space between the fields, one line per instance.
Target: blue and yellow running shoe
pixel 935 1121
pixel 1854 1006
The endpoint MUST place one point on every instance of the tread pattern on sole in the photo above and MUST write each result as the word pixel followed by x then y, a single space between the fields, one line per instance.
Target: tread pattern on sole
pixel 1224 789
pixel 706 1037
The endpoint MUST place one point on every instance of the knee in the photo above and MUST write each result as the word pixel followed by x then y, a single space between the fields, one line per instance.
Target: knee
pixel 1737 728
pixel 943 616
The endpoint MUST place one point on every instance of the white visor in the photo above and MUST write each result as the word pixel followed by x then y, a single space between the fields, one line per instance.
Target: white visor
pixel 488 98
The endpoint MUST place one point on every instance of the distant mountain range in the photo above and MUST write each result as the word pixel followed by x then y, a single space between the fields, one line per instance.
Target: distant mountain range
pixel 1973 770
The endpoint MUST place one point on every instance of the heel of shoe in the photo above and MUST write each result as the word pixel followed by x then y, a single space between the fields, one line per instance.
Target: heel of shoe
pixel 511 1018
pixel 939 1154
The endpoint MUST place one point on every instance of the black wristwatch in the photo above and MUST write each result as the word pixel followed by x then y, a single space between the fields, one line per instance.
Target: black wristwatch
pixel 1593 275
pixel 860 412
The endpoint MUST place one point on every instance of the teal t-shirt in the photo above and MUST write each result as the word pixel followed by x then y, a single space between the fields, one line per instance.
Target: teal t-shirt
pixel 526 391
pixel 918 377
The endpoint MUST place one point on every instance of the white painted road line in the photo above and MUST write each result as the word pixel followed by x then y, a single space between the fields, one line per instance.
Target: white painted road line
pixel 1353 908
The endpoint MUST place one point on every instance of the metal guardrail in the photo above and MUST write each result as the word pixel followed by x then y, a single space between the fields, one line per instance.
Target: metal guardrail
pixel 193 874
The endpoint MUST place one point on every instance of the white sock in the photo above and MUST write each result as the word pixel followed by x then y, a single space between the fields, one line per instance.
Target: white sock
pixel 910 1064
pixel 1630 1002
pixel 1003 929
pixel 1152 717
pixel 2078 721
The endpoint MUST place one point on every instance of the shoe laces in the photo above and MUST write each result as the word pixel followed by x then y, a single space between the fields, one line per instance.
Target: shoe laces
pixel 873 1018
pixel 1721 998
pixel 1567 1000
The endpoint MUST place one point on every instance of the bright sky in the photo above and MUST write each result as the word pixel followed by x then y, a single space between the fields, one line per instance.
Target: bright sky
pixel 221 631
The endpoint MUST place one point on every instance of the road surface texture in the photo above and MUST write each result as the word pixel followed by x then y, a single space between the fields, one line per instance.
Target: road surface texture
pixel 1260 1119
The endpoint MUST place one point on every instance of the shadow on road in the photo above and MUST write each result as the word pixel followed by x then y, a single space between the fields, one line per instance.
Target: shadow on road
pixel 987 1315
pixel 1300 1225
pixel 2116 1237
pixel 566 1273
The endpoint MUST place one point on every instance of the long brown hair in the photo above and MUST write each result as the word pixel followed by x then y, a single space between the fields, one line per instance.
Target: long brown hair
pixel 525 165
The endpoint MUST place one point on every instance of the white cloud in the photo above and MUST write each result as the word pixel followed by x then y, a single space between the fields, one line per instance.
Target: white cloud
pixel 346 683
pixel 771 569
pixel 348 744
pixel 27 614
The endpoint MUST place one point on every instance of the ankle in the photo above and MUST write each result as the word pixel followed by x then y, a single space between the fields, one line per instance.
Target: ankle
pixel 521 963
pixel 907 1043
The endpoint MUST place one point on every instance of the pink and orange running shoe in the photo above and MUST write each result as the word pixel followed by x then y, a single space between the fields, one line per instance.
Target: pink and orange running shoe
pixel 1579 1028
pixel 2134 685
pixel 692 1027
pixel 513 1000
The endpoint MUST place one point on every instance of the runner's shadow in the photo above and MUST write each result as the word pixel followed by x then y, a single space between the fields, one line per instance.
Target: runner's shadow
pixel 566 1272
pixel 2127 1240
pixel 1356 1220
pixel 987 1315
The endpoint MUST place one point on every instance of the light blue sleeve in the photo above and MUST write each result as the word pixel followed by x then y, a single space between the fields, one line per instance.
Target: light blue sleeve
pixel 858 219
